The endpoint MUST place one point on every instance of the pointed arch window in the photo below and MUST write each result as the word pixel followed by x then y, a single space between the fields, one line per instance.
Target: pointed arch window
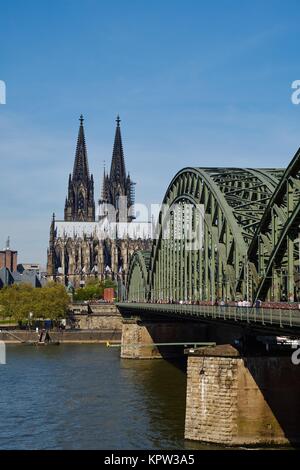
pixel 81 201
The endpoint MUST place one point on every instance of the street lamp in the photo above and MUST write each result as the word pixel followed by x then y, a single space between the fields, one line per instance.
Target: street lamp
pixel 29 319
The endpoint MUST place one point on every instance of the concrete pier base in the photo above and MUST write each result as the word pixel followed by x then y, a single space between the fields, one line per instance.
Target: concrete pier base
pixel 138 337
pixel 234 400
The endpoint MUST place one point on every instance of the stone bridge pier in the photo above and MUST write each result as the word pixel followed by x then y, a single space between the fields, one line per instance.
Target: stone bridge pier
pixel 141 337
pixel 234 397
pixel 234 400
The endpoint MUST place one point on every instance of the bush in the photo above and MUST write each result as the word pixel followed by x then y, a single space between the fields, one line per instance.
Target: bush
pixel 93 290
pixel 89 292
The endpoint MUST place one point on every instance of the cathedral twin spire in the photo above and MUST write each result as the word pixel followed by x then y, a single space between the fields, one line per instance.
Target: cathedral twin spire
pixel 81 166
pixel 117 183
pixel 80 205
pixel 117 169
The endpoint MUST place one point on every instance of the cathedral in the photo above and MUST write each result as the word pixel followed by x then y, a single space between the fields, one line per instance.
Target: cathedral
pixel 92 243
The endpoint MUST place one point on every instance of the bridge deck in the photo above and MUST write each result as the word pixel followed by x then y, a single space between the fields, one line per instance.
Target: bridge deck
pixel 278 320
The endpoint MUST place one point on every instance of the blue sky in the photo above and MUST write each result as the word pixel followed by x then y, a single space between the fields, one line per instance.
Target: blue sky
pixel 196 84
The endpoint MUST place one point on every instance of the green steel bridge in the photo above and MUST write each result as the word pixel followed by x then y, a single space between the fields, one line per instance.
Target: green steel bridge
pixel 224 268
pixel 279 321
pixel 246 226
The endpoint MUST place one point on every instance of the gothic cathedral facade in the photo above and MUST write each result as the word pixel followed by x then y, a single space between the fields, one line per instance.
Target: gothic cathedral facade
pixel 88 243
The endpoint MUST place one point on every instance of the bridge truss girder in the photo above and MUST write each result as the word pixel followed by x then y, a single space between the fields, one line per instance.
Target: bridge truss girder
pixel 275 247
pixel 137 279
pixel 250 220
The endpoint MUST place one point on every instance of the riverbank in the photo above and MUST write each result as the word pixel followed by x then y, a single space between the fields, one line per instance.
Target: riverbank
pixel 63 336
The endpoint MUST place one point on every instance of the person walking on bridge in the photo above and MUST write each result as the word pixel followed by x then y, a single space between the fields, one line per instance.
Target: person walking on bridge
pixel 257 305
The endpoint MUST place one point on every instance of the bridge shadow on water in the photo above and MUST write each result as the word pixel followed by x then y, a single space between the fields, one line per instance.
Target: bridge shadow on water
pixel 272 384
pixel 278 381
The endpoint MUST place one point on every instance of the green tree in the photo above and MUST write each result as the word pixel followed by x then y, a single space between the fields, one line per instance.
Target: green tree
pixel 93 290
pixel 17 301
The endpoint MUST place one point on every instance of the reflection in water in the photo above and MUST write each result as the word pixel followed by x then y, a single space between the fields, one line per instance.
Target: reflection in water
pixel 85 397
pixel 161 386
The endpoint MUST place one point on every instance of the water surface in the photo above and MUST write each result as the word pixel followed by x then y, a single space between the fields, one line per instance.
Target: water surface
pixel 85 397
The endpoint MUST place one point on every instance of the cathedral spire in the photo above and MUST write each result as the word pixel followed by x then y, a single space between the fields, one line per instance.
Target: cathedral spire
pixel 81 166
pixel 117 170
pixel 80 204
pixel 117 184
pixel 104 194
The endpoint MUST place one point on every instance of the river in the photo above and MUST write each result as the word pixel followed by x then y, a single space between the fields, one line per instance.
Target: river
pixel 86 397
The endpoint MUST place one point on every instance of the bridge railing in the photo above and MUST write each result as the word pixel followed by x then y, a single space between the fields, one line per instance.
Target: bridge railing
pixel 264 316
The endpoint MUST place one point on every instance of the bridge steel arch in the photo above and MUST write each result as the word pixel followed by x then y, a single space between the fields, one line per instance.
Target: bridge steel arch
pixel 137 285
pixel 275 247
pixel 233 202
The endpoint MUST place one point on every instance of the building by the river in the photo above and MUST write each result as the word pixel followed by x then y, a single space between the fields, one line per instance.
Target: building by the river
pixel 13 273
pixel 96 243
pixel 8 257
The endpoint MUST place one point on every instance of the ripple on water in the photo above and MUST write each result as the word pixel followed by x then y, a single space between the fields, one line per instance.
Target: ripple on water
pixel 85 397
